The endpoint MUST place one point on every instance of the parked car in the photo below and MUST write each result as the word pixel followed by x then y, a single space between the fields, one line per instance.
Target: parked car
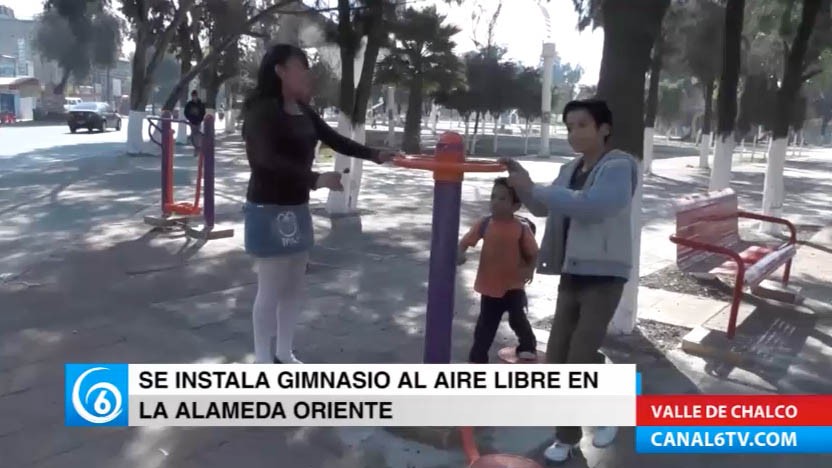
pixel 93 116
pixel 70 102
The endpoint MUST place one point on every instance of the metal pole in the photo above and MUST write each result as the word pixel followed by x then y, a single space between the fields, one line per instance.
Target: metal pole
pixel 442 275
pixel 207 148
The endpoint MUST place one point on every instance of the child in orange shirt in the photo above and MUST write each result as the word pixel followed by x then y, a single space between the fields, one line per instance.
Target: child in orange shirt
pixel 507 261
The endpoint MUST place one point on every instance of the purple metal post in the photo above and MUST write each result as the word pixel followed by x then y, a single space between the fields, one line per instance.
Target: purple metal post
pixel 207 148
pixel 442 276
pixel 167 162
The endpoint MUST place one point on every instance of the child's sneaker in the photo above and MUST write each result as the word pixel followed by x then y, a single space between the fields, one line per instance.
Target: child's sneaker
pixel 559 452
pixel 527 356
pixel 604 436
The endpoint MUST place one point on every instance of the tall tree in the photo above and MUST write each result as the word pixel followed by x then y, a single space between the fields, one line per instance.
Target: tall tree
pixel 78 35
pixel 630 30
pixel 155 23
pixel 727 102
pixel 666 44
pixel 422 59
pixel 525 95
pixel 702 38
pixel 808 43
pixel 224 22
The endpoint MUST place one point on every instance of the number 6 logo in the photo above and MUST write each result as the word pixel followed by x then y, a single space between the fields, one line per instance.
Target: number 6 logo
pixel 105 411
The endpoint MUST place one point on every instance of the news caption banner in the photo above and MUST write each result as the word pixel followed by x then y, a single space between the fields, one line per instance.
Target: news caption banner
pixel 734 424
pixel 349 395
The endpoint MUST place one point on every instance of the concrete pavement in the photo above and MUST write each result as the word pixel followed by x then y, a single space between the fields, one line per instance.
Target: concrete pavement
pixel 86 282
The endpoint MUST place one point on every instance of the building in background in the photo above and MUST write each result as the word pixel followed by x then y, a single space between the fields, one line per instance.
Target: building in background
pixel 23 74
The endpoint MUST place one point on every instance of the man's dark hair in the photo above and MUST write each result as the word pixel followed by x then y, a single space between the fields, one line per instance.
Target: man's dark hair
pixel 194 92
pixel 597 108
pixel 503 181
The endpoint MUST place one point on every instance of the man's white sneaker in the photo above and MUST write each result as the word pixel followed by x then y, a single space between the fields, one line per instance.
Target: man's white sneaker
pixel 291 360
pixel 559 452
pixel 604 436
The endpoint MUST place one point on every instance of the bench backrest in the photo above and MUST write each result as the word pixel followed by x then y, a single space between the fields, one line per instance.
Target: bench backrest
pixel 710 218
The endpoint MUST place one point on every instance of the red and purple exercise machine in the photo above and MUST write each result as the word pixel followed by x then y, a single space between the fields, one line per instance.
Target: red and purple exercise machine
pixel 182 214
pixel 449 166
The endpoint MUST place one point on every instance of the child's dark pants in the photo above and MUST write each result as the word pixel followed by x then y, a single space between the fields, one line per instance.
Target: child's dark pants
pixel 491 313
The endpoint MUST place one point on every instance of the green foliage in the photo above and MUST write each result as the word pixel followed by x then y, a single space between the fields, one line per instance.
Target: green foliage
pixel 422 54
pixel 527 93
pixel 326 84
pixel 79 35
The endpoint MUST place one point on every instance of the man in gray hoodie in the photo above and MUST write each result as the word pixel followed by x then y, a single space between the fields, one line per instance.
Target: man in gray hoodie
pixel 588 242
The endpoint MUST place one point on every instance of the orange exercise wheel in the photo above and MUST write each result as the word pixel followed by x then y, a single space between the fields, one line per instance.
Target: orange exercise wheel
pixel 494 460
pixel 430 163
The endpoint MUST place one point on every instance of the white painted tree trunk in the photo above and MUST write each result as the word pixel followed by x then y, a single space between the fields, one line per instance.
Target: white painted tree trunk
pixel 800 146
pixel 434 109
pixel 181 133
pixel 626 314
pixel 648 150
pixel 135 132
pixel 704 150
pixel 528 131
pixel 496 133
pixel 337 202
pixel 546 104
pixel 356 171
pixel 723 157
pixel 391 116
pixel 230 121
pixel 773 187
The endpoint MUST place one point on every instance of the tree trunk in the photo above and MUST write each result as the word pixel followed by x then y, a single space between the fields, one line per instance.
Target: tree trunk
pixel 705 143
pixel 727 101
pixel 773 188
pixel 652 104
pixel 413 119
pixel 630 29
pixel 60 87
pixel 362 97
pixel 139 93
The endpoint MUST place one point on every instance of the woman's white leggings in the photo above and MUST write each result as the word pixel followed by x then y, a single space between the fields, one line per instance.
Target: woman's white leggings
pixel 281 286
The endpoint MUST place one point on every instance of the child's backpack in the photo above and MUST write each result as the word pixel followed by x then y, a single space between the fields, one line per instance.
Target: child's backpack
pixel 526 221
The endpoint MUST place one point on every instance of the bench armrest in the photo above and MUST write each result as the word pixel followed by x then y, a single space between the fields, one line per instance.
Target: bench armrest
pixel 772 219
pixel 709 248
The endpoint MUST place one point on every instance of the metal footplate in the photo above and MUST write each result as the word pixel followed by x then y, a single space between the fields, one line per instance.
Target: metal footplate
pixel 208 234
pixel 170 221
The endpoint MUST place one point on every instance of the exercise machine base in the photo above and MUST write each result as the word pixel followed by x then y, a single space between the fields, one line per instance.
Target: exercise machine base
pixel 211 234
pixel 184 222
pixel 170 221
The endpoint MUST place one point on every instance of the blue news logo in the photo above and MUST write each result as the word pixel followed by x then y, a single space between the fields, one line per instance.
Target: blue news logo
pixel 95 394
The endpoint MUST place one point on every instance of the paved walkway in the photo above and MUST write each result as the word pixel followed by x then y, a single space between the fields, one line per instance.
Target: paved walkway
pixel 85 281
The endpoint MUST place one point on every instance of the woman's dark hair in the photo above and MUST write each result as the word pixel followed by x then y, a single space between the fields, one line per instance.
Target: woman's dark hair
pixel 269 85
pixel 503 182
pixel 597 108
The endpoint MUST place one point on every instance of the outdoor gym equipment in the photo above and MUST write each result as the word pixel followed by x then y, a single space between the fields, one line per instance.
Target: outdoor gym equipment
pixel 181 214
pixel 449 166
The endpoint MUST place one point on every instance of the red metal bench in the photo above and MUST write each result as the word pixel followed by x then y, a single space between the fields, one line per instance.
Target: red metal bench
pixel 707 231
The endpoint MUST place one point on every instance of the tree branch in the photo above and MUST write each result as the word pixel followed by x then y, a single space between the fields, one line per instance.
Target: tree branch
pixel 167 35
pixel 810 74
